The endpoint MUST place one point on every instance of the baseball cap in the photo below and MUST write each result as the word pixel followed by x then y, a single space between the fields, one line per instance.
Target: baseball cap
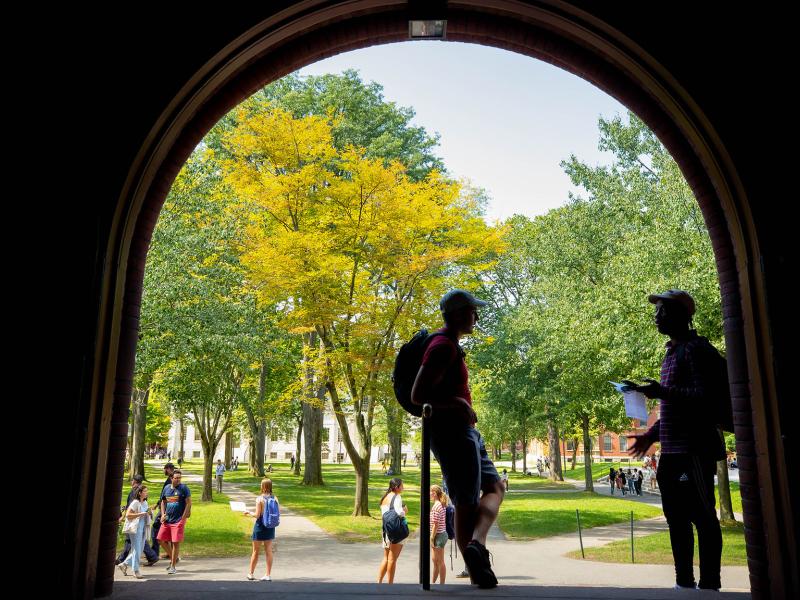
pixel 678 296
pixel 455 299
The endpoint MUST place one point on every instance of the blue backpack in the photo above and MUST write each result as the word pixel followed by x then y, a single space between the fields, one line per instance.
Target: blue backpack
pixel 450 521
pixel 271 517
pixel 395 525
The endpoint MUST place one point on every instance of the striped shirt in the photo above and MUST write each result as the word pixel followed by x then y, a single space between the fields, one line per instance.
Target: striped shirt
pixel 685 383
pixel 438 514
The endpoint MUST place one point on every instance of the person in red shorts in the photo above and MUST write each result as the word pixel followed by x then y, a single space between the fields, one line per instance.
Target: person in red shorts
pixel 176 507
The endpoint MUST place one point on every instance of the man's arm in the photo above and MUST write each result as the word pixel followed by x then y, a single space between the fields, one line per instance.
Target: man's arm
pixel 427 379
pixel 187 512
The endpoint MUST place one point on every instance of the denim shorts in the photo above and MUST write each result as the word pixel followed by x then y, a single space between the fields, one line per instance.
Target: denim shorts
pixel 465 464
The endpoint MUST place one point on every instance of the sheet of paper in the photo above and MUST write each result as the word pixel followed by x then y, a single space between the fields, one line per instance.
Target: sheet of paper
pixel 238 506
pixel 635 402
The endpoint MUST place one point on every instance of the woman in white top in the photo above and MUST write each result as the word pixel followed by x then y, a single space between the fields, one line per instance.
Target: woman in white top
pixel 391 552
pixel 138 519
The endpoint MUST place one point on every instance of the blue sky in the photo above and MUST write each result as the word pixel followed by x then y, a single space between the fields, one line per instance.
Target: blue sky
pixel 506 120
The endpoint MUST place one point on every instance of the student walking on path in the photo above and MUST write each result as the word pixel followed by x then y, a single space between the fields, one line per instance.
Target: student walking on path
pixel 693 380
pixel 138 519
pixel 391 500
pixel 219 474
pixel 438 532
pixel 263 534
pixel 176 508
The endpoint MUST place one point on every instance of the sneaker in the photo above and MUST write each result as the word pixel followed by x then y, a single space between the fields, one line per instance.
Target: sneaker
pixel 137 575
pixel 266 578
pixel 463 574
pixel 250 577
pixel 171 570
pixel 123 567
pixel 150 563
pixel 480 569
pixel 683 588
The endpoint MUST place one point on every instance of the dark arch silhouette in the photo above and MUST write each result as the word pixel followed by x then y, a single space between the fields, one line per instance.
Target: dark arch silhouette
pixel 280 41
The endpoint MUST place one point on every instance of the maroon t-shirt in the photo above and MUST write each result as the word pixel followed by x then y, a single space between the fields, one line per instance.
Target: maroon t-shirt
pixel 444 356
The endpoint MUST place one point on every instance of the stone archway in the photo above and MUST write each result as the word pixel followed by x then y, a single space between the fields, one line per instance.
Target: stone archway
pixel 551 31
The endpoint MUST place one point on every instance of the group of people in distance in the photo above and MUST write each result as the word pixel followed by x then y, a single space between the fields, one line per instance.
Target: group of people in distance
pixel 688 435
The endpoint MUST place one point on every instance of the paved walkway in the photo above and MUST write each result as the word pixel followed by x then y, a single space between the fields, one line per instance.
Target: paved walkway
pixel 308 562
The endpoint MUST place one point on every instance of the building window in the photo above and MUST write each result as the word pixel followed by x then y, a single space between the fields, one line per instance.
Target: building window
pixel 287 455
pixel 273 455
pixel 570 445
pixel 623 443
pixel 196 454
pixel 325 455
pixel 326 434
pixel 196 434
pixel 607 443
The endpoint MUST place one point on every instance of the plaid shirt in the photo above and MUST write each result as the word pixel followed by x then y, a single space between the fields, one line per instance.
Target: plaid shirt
pixel 685 384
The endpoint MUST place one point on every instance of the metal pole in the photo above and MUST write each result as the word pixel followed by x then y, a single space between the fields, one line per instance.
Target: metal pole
pixel 632 536
pixel 425 502
pixel 580 535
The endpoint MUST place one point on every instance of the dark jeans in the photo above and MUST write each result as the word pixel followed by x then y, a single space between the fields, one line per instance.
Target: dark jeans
pixel 149 553
pixel 154 534
pixel 687 495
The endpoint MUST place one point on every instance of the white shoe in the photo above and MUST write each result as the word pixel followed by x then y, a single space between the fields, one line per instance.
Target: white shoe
pixel 266 578
pixel 138 575
pixel 123 567
pixel 250 577
pixel 171 570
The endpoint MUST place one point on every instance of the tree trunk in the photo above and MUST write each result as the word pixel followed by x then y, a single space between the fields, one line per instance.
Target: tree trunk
pixel 182 435
pixel 361 507
pixel 725 505
pixel 394 420
pixel 140 398
pixel 259 449
pixel 555 452
pixel 299 445
pixel 524 455
pixel 574 452
pixel 228 450
pixel 312 417
pixel 208 461
pixel 587 455
pixel 312 433
pixel 514 457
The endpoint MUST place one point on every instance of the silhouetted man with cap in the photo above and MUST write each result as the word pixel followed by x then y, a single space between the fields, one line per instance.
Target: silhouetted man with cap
pixel 472 480
pixel 691 443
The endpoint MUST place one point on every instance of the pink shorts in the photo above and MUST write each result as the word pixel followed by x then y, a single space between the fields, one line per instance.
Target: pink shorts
pixel 171 532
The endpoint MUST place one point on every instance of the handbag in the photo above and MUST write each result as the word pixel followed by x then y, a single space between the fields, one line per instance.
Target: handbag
pixel 131 526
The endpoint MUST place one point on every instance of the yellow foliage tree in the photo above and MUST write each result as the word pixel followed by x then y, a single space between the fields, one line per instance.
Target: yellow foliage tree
pixel 350 245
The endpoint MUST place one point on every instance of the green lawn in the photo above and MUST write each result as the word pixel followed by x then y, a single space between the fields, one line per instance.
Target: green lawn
pixel 655 549
pixel 736 497
pixel 531 516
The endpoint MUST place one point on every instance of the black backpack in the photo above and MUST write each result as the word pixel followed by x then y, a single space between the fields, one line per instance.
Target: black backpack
pixel 406 367
pixel 395 527
pixel 718 409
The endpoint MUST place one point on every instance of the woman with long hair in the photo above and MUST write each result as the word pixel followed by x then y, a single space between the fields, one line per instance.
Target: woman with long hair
pixel 438 532
pixel 138 518
pixel 391 552
pixel 262 535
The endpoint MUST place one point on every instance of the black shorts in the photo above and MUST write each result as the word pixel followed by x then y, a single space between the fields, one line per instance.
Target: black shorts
pixel 465 464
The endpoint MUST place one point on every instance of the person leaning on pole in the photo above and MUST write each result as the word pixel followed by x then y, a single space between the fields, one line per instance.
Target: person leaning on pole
pixel 472 480
pixel 691 443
